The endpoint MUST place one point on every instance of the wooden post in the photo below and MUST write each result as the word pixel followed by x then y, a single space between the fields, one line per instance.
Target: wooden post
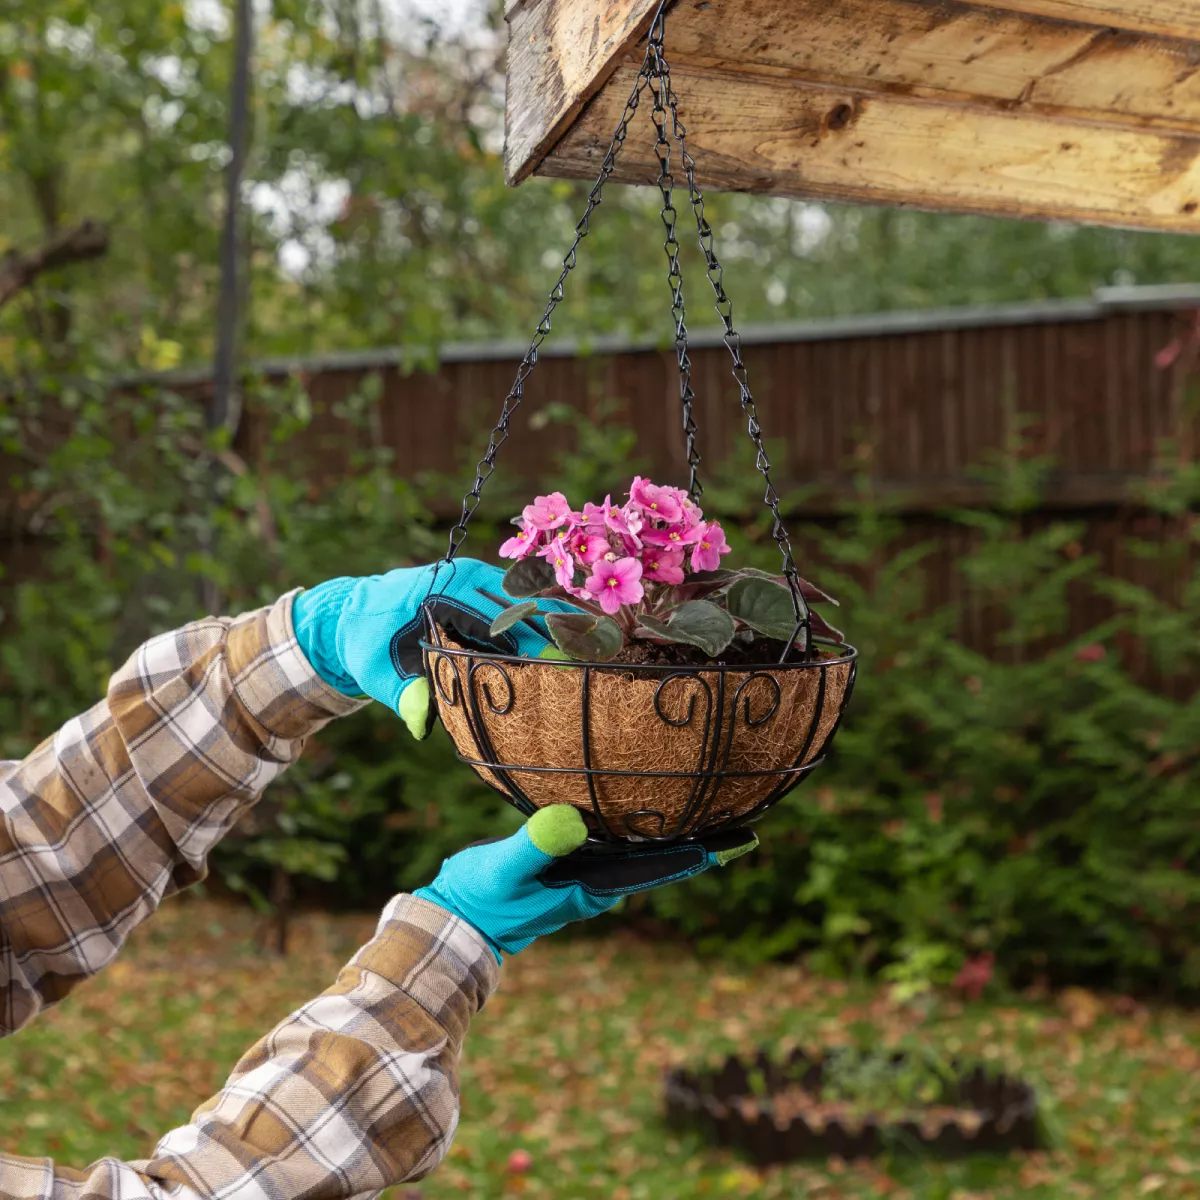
pixel 223 406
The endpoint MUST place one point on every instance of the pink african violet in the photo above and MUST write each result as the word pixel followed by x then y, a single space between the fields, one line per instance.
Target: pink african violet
pixel 616 583
pixel 672 536
pixel 662 565
pixel 588 543
pixel 547 512
pixel 638 563
pixel 656 503
pixel 521 545
pixel 710 545
pixel 559 557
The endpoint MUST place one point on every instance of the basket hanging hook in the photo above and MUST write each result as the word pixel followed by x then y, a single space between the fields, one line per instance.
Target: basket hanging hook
pixel 655 73
pixel 659 89
pixel 664 90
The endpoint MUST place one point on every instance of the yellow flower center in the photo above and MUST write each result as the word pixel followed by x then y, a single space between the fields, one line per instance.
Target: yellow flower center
pixel 654 504
pixel 705 546
pixel 674 537
pixel 612 582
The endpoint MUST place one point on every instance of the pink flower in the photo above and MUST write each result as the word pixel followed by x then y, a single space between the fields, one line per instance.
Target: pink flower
pixel 656 503
pixel 521 544
pixel 662 565
pixel 547 512
pixel 587 544
pixel 710 545
pixel 676 536
pixel 1091 653
pixel 692 512
pixel 624 522
pixel 559 557
pixel 616 583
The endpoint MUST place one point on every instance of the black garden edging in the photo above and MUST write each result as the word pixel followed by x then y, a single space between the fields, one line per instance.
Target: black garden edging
pixel 713 1102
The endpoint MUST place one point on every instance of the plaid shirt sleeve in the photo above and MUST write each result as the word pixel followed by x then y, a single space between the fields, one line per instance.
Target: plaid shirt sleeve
pixel 356 1090
pixel 121 807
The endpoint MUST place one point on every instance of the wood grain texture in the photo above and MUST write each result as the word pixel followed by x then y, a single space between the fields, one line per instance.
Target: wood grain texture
pixel 1080 110
pixel 1166 18
pixel 560 53
pixel 825 142
pixel 949 53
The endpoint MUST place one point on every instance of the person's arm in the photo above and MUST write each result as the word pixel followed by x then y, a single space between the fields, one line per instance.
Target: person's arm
pixel 358 1090
pixel 121 807
pixel 353 1092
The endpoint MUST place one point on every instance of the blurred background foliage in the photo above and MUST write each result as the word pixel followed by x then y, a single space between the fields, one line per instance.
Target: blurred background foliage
pixel 1040 807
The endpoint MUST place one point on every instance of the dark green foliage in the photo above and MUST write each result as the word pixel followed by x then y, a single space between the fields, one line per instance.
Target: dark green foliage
pixel 1040 805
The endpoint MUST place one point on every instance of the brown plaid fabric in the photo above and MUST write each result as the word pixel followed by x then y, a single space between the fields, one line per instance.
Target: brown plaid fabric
pixel 355 1091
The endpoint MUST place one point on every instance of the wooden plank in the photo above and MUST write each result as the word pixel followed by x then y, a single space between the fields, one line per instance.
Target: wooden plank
pixel 1163 18
pixel 951 53
pixel 560 53
pixel 843 144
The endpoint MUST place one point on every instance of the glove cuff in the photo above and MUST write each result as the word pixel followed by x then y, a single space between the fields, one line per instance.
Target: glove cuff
pixel 315 615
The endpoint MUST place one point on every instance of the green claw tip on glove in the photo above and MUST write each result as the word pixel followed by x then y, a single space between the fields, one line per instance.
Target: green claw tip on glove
pixel 363 636
pixel 557 830
pixel 414 708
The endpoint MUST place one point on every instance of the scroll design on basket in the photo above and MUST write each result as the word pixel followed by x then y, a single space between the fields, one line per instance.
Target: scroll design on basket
pixel 718 705
pixel 634 823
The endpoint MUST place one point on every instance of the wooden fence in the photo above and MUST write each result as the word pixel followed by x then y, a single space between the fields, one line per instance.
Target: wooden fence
pixel 910 402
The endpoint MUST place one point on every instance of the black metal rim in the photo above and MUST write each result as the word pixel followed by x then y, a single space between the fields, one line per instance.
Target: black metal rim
pixel 812 664
pixel 488 685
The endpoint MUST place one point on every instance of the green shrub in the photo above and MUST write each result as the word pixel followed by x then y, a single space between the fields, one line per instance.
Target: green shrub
pixel 1039 805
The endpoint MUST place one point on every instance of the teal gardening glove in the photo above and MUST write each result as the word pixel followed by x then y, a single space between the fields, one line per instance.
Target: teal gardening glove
pixel 363 636
pixel 518 888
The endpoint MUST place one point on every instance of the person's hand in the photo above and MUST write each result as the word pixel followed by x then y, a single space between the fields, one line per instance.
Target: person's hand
pixel 518 888
pixel 363 636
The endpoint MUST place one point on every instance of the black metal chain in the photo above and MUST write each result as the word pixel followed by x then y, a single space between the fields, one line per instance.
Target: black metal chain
pixel 487 464
pixel 666 185
pixel 655 72
pixel 724 306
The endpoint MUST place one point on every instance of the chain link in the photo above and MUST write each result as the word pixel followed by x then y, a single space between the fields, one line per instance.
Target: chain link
pixel 656 73
pixel 724 306
pixel 499 436
pixel 666 185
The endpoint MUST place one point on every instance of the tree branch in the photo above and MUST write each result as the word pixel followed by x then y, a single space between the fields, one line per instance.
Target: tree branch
pixel 18 271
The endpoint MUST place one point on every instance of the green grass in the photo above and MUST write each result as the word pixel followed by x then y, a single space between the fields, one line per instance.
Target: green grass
pixel 566 1063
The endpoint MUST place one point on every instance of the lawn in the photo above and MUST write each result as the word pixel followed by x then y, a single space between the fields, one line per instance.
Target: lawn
pixel 565 1064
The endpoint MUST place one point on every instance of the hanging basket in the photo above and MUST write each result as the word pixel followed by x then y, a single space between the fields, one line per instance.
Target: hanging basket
pixel 772 1114
pixel 644 751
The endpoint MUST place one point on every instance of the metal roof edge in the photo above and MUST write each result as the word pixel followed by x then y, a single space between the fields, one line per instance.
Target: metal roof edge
pixel 934 320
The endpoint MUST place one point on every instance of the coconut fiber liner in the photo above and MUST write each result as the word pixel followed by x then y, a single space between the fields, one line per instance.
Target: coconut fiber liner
pixel 673 725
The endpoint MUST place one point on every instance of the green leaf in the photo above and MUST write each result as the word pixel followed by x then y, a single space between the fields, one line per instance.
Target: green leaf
pixel 696 623
pixel 763 605
pixel 510 616
pixel 529 577
pixel 811 593
pixel 585 637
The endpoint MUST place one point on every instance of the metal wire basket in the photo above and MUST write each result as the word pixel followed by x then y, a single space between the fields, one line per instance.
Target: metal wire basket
pixel 645 752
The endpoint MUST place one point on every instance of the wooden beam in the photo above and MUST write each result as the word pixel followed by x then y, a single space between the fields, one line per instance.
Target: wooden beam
pixel 1161 18
pixel 825 142
pixel 949 53
pixel 560 53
